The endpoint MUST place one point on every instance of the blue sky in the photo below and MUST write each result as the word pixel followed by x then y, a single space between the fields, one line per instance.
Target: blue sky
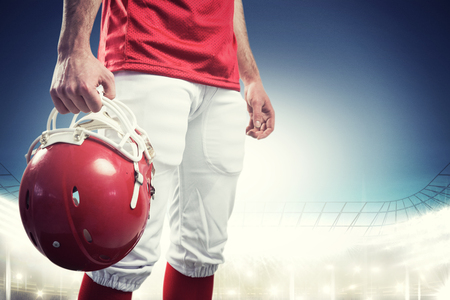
pixel 361 90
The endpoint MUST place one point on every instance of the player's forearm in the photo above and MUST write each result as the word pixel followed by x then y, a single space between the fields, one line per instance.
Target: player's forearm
pixel 77 23
pixel 248 70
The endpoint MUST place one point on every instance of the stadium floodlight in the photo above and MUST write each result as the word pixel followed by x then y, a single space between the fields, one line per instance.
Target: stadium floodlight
pixel 40 294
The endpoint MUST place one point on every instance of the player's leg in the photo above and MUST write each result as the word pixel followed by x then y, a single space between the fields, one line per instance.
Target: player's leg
pixel 92 291
pixel 199 214
pixel 181 287
pixel 161 106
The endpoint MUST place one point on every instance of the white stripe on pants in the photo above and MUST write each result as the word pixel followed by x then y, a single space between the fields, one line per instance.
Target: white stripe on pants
pixel 198 133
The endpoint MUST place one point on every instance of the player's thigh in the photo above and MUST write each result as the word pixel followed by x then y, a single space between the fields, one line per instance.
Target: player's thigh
pixel 161 106
pixel 223 132
pixel 209 172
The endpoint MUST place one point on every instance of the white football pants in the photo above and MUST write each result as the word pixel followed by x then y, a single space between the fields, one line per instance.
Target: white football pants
pixel 198 133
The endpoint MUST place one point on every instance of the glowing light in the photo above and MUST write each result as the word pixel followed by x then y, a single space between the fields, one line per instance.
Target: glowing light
pixel 444 293
pixel 10 224
pixel 77 278
pixel 40 294
pixel 231 292
pixel 352 287
pixel 19 276
pixel 281 243
pixel 274 291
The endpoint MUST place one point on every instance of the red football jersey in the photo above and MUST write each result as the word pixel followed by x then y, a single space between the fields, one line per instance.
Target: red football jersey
pixel 187 39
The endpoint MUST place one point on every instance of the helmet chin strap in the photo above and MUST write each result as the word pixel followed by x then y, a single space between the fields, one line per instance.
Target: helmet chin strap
pixel 138 181
pixel 78 131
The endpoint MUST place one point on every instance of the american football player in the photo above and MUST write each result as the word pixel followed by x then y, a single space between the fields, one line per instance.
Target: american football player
pixel 177 66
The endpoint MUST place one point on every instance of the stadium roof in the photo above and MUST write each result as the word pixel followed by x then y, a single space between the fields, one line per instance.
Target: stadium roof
pixel 368 218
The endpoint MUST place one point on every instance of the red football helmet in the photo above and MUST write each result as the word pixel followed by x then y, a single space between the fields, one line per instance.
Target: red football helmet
pixel 84 197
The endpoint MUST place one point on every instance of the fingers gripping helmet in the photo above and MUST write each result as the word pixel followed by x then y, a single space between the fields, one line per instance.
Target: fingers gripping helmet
pixel 84 197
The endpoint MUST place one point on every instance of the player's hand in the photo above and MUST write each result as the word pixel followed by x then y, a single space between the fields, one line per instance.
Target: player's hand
pixel 75 80
pixel 262 114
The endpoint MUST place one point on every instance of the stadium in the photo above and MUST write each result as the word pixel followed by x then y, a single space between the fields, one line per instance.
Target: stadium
pixel 282 250
pixel 347 200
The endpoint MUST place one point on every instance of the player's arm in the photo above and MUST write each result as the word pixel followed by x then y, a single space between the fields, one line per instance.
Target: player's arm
pixel 77 72
pixel 262 114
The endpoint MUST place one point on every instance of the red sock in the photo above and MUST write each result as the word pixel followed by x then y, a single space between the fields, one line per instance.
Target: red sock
pixel 90 290
pixel 180 287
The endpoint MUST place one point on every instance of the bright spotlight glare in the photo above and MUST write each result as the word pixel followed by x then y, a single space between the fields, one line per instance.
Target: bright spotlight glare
pixel 274 291
pixel 19 276
pixel 444 293
pixel 40 293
